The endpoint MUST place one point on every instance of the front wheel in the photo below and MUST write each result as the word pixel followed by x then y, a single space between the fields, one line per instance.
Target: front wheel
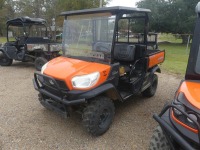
pixel 98 115
pixel 159 140
pixel 39 62
pixel 4 60
pixel 151 90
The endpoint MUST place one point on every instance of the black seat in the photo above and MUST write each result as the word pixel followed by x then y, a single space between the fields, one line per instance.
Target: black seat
pixel 130 56
pixel 124 52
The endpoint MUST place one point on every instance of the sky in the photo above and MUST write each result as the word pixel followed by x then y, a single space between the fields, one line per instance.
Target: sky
pixel 128 3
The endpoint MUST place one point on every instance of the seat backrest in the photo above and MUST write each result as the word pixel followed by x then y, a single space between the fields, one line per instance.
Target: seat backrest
pixel 140 51
pixel 124 52
pixel 22 40
pixel 37 40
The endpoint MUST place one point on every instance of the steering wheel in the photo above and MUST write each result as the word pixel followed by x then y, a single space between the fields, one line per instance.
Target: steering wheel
pixel 17 38
pixel 102 47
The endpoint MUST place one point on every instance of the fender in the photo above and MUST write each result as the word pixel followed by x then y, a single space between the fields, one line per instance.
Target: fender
pixel 4 51
pixel 104 88
pixel 9 51
pixel 152 71
pixel 155 69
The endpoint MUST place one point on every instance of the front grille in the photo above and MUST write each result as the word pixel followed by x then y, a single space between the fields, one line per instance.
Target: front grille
pixel 62 85
pixel 53 91
pixel 53 83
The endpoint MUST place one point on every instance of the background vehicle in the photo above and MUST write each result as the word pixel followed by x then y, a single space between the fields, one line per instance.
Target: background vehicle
pixel 179 122
pixel 97 67
pixel 30 43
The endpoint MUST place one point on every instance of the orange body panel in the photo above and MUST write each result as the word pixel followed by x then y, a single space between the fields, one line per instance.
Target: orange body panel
pixel 184 125
pixel 192 92
pixel 156 59
pixel 65 69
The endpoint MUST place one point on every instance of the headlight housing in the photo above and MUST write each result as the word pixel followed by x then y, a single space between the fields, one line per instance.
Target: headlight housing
pixel 85 81
pixel 177 112
pixel 178 115
pixel 44 67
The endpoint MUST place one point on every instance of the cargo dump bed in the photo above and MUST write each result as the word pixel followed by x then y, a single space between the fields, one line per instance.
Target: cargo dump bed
pixel 155 57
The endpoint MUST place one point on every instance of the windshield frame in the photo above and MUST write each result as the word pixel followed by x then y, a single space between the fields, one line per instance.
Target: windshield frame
pixel 112 37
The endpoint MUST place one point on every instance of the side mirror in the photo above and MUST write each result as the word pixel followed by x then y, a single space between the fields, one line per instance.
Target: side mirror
pixel 197 9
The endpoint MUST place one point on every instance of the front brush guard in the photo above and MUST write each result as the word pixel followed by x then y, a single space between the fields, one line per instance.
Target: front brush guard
pixel 169 131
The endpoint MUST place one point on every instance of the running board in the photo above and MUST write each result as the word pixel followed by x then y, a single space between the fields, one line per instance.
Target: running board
pixel 126 95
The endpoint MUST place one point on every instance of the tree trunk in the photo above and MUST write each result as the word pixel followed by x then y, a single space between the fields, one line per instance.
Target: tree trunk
pixel 184 39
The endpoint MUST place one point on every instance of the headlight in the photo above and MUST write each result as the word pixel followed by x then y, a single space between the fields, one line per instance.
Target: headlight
pixel 44 67
pixel 85 81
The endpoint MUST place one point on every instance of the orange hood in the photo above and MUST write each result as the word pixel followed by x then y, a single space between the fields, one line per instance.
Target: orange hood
pixel 192 92
pixel 65 69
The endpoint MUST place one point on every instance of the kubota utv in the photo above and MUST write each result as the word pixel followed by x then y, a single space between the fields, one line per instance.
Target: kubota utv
pixel 105 58
pixel 27 41
pixel 179 121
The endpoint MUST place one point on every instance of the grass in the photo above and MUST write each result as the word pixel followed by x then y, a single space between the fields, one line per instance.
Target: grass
pixel 3 39
pixel 176 58
pixel 169 38
pixel 177 54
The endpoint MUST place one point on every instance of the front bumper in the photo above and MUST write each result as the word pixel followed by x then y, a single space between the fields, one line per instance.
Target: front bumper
pixel 171 131
pixel 54 92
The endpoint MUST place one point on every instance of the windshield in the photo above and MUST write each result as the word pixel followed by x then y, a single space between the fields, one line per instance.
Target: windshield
pixel 29 31
pixel 37 31
pixel 89 36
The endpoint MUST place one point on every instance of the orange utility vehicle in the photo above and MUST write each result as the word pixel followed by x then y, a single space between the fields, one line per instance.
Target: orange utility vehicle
pixel 98 66
pixel 179 122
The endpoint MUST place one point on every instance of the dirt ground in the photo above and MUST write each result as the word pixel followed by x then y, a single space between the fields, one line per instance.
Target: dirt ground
pixel 26 125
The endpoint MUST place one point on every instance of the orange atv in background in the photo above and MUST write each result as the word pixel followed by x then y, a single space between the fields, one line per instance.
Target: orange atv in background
pixel 179 122
pixel 100 65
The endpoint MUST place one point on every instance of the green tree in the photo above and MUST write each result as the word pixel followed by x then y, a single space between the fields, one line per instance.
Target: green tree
pixel 46 9
pixel 7 12
pixel 171 16
pixel 68 5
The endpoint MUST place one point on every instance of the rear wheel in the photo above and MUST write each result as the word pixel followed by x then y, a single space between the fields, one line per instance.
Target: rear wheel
pixel 151 90
pixel 4 60
pixel 39 62
pixel 98 116
pixel 159 140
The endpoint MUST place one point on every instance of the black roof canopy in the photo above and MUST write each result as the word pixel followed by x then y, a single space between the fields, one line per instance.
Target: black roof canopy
pixel 113 10
pixel 21 21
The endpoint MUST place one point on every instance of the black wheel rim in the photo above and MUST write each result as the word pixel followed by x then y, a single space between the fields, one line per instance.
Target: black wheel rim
pixel 104 119
pixel 40 64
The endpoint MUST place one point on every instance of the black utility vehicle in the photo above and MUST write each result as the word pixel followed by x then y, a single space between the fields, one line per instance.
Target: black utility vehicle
pixel 27 41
